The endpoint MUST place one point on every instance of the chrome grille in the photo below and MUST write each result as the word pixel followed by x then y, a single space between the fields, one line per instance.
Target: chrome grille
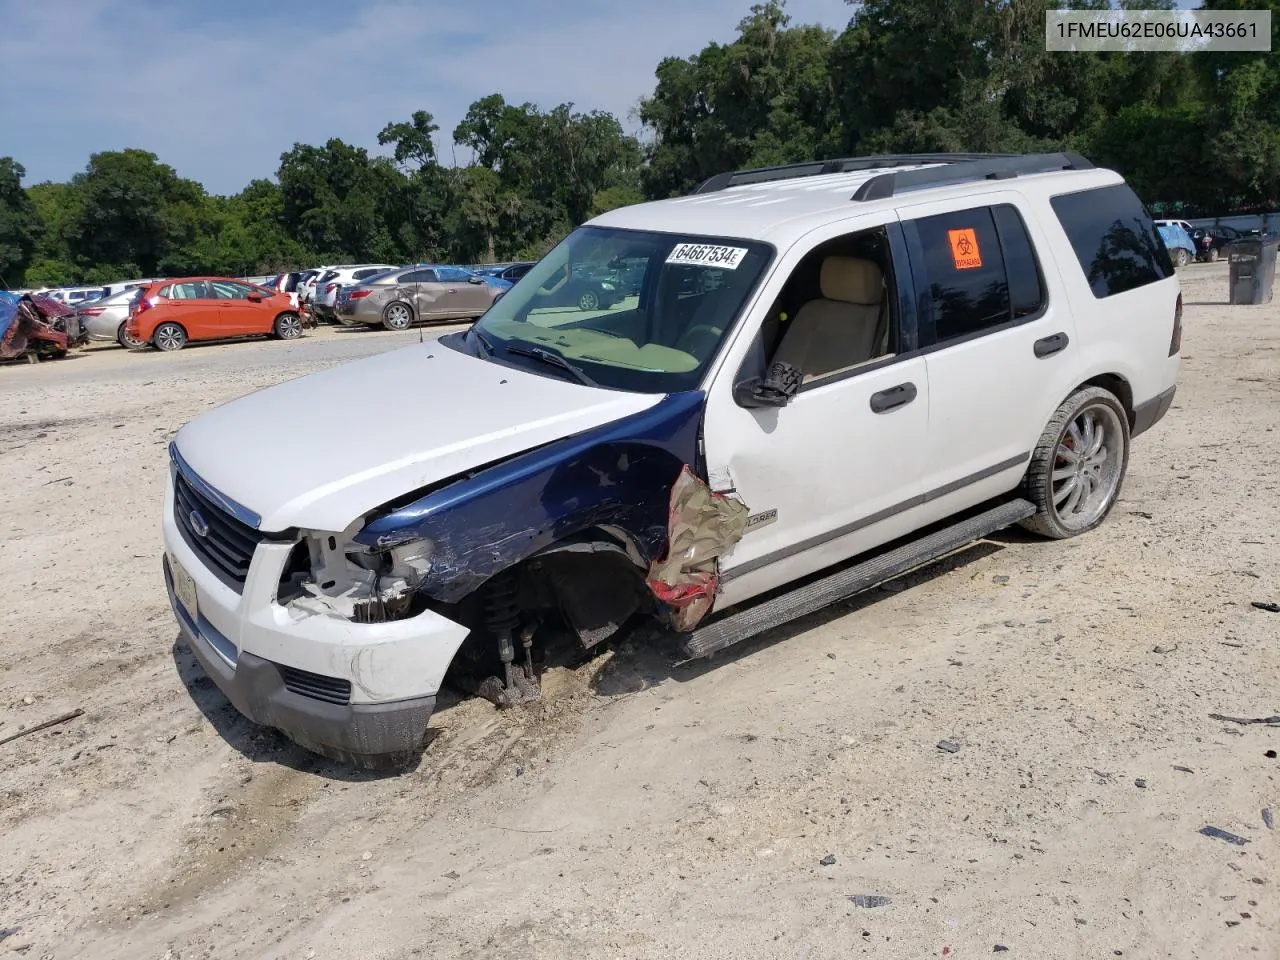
pixel 225 544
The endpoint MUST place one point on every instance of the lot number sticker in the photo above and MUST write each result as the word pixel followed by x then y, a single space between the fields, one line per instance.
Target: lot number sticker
pixel 707 255
pixel 964 249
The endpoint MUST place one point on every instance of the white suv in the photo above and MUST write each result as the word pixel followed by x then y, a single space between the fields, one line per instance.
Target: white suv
pixel 331 281
pixel 831 373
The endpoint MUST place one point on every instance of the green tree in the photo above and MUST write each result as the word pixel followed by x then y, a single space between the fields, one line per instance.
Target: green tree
pixel 764 99
pixel 20 224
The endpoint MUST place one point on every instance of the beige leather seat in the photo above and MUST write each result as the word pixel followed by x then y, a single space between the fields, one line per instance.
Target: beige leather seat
pixel 840 330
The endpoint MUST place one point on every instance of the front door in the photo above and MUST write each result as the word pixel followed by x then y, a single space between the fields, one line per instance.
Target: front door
pixel 837 470
pixel 1000 352
pixel 237 314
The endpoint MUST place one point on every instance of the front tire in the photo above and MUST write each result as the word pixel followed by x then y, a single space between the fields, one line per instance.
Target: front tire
pixel 1213 255
pixel 588 300
pixel 288 326
pixel 397 316
pixel 169 337
pixel 1181 258
pixel 1078 465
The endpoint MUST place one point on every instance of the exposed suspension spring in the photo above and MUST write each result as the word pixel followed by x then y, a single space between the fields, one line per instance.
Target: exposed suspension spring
pixel 501 614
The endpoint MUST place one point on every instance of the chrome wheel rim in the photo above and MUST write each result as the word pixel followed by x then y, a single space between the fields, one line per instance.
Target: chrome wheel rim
pixel 1086 467
pixel 398 316
pixel 290 328
pixel 588 301
pixel 169 338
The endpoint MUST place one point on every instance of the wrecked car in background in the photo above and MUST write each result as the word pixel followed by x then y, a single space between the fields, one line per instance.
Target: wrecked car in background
pixel 802 379
pixel 36 327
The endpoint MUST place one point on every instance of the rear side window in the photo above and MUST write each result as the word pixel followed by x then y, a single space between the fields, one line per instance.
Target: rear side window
pixel 362 274
pixel 980 271
pixel 1114 238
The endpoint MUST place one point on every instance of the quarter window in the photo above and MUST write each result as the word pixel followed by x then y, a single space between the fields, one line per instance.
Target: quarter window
pixel 1114 239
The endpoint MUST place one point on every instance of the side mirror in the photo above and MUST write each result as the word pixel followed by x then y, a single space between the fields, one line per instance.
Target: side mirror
pixel 776 389
pixel 255 296
pixel 475 279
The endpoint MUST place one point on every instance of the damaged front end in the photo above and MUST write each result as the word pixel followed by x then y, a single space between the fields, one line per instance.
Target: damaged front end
pixel 580 538
pixel 329 574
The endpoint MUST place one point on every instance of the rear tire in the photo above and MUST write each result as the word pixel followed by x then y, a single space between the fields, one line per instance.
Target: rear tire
pixel 1213 255
pixel 397 316
pixel 1078 466
pixel 169 337
pixel 288 326
pixel 1181 258
pixel 127 341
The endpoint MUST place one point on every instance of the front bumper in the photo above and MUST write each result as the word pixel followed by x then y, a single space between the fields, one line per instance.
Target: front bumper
pixel 341 689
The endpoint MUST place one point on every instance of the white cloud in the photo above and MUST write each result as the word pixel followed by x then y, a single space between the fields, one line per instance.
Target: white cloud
pixel 220 98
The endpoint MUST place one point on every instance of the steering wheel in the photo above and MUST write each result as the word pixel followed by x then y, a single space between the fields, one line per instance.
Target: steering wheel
pixel 697 338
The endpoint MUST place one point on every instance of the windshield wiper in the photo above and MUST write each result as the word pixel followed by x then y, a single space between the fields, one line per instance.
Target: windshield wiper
pixel 549 357
pixel 485 345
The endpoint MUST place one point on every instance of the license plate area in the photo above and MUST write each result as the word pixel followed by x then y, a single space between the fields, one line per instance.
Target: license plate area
pixel 184 587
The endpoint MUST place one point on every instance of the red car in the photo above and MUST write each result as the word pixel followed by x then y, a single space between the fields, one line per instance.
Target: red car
pixel 170 313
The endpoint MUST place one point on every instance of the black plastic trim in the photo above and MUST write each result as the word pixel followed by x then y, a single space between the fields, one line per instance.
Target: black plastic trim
pixel 1048 346
pixel 888 185
pixel 1147 415
pixel 894 397
pixel 759 563
pixel 814 168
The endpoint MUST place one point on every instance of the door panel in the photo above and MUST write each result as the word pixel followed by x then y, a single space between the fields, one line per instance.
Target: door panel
pixel 837 473
pixel 436 299
pixel 193 305
pixel 475 297
pixel 994 381
pixel 237 315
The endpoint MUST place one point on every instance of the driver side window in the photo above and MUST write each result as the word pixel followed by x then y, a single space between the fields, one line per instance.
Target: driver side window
pixel 838 311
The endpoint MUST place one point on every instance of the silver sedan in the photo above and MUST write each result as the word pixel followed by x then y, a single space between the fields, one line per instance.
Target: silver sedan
pixel 104 319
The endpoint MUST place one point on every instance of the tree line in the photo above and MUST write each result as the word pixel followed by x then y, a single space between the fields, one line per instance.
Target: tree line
pixel 1196 135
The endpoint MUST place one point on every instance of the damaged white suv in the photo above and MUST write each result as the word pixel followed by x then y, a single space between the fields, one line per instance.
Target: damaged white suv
pixel 825 374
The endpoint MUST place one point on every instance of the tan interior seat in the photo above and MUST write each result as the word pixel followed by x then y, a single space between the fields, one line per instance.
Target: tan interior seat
pixel 841 329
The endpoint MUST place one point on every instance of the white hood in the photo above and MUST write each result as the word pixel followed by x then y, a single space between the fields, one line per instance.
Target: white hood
pixel 320 451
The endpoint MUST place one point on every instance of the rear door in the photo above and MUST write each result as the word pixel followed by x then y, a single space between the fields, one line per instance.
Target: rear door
pixel 429 294
pixel 191 304
pixel 1000 351
pixel 239 316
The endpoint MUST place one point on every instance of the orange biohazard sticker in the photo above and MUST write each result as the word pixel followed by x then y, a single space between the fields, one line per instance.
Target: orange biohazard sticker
pixel 964 249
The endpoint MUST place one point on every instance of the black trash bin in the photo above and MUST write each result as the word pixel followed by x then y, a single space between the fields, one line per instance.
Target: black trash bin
pixel 1253 268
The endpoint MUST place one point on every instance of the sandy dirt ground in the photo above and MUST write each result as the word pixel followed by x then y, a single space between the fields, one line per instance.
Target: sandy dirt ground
pixel 647 809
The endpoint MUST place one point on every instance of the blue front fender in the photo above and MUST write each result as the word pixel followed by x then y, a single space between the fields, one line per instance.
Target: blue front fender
pixel 620 474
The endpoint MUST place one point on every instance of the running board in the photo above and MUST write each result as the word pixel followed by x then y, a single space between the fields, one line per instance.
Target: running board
pixel 789 606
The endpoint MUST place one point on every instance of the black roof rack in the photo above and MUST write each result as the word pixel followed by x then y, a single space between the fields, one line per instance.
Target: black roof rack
pixel 947 168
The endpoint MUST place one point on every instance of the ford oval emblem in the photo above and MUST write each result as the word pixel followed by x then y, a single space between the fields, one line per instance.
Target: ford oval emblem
pixel 198 525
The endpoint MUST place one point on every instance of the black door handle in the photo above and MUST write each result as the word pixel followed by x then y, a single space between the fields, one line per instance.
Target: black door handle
pixel 893 398
pixel 1048 346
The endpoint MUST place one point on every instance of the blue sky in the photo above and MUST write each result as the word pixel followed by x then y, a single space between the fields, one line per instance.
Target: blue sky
pixel 219 89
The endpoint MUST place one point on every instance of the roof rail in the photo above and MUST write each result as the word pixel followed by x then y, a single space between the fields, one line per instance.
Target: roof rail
pixel 813 168
pixel 942 168
pixel 997 168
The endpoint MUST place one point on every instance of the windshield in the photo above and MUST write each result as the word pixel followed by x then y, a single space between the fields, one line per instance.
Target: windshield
pixel 637 311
